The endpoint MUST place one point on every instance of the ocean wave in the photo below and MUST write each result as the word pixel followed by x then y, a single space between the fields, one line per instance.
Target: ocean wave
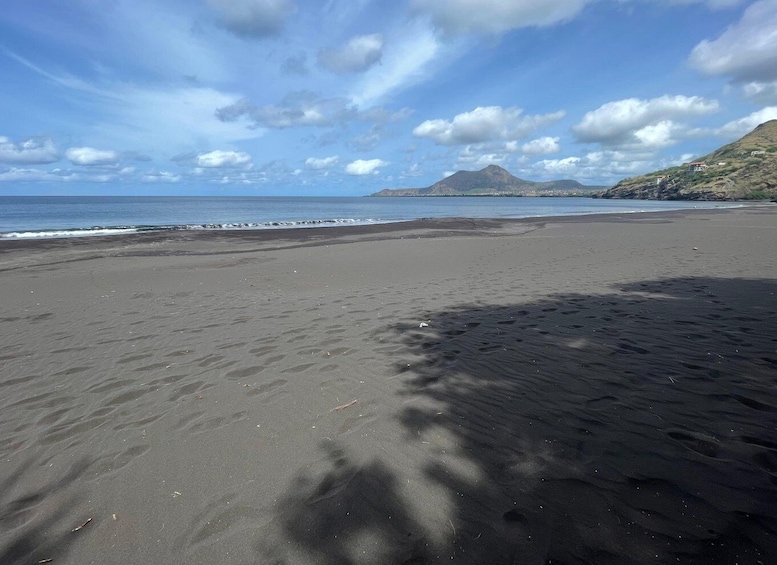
pixel 119 230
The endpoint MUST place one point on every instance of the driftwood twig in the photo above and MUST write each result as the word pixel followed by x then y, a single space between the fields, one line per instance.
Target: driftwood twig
pixel 82 525
pixel 344 406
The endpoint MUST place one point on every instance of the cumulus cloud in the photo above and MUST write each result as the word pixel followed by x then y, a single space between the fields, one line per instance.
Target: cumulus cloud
pixel 457 17
pixel 161 176
pixel 296 109
pixel 541 146
pixel 220 159
pixel 317 164
pixel 359 54
pixel 305 108
pixel 89 156
pixel 56 175
pixel 491 123
pixel 32 151
pixel 566 167
pixel 253 18
pixel 658 135
pixel 746 51
pixel 597 166
pixel 761 92
pixel 364 167
pixel 634 121
pixel 737 128
pixel 15 174
pixel 477 158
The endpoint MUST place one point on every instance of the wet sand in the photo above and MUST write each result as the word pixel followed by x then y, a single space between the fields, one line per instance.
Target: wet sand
pixel 592 390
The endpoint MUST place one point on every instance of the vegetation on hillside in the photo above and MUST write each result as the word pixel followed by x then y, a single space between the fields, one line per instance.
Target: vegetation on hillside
pixel 743 170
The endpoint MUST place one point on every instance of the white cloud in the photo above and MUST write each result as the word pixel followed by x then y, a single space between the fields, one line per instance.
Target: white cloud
pixel 541 146
pixel 566 167
pixel 761 92
pixel 56 175
pixel 161 176
pixel 746 51
pixel 658 135
pixel 359 54
pixel 456 17
pixel 31 151
pixel 597 166
pixel 364 167
pixel 637 121
pixel 253 18
pixel 737 128
pixel 301 109
pixel 15 174
pixel 218 158
pixel 316 164
pixel 89 156
pixel 296 109
pixel 483 124
pixel 473 158
pixel 404 63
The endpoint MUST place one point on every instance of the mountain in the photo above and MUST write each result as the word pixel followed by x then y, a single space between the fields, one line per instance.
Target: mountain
pixel 743 170
pixel 492 181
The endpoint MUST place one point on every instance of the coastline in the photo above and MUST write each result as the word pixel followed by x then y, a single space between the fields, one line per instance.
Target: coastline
pixel 559 388
pixel 65 217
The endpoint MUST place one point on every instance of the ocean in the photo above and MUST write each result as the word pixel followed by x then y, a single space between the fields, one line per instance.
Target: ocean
pixel 71 216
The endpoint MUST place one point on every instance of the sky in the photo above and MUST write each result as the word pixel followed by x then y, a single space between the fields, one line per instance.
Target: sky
pixel 347 97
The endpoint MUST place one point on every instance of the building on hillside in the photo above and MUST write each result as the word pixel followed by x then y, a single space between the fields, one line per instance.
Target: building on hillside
pixel 754 153
pixel 697 167
pixel 661 178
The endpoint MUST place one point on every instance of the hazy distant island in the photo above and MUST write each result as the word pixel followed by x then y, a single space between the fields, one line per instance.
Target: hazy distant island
pixel 743 170
pixel 494 181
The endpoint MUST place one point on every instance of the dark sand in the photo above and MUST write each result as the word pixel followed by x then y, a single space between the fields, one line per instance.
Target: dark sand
pixel 592 390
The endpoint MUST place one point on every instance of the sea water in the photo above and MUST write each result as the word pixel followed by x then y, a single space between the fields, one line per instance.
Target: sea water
pixel 70 216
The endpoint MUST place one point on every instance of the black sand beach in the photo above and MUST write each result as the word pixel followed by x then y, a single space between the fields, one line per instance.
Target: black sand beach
pixel 592 390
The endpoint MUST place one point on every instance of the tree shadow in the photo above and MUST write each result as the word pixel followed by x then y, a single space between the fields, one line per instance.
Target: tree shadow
pixel 351 514
pixel 634 427
pixel 638 426
pixel 33 523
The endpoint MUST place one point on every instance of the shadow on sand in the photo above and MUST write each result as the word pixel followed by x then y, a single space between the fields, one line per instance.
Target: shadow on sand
pixel 35 521
pixel 638 426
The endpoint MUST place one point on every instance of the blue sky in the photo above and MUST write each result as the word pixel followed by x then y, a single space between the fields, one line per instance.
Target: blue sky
pixel 346 97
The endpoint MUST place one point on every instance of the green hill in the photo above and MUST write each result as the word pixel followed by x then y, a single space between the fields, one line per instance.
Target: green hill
pixel 743 170
pixel 493 181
